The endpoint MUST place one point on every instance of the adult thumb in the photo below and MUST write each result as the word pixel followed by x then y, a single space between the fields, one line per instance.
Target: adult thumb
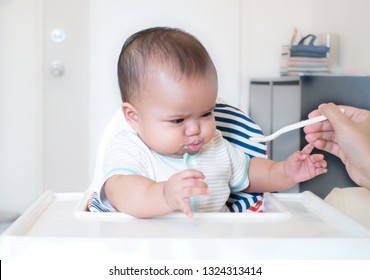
pixel 334 114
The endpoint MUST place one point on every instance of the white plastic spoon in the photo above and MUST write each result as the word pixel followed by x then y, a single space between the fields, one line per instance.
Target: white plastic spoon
pixel 288 128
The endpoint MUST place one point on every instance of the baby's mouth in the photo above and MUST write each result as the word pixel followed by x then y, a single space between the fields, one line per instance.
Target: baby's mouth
pixel 194 146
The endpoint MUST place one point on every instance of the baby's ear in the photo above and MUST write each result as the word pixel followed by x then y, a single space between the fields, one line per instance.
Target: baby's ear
pixel 131 115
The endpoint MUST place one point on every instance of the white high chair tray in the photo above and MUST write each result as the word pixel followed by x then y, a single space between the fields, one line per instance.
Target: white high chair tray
pixel 294 226
pixel 274 210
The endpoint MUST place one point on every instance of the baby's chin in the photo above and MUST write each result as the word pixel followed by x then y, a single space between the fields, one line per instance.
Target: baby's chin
pixel 182 154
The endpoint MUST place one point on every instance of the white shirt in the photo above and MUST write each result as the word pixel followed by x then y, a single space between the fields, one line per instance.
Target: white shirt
pixel 225 167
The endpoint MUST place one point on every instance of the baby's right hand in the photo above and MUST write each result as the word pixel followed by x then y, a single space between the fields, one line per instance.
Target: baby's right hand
pixel 183 185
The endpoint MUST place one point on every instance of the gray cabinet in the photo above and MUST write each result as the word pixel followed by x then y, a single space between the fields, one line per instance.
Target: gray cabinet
pixel 275 103
pixel 281 101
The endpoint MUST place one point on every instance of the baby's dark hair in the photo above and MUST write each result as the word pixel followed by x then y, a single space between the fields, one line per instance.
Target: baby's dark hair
pixel 157 47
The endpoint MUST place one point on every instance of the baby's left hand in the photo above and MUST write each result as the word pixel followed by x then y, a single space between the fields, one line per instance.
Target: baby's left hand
pixel 302 166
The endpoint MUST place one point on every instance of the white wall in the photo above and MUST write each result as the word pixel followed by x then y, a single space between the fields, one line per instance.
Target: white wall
pixel 266 26
pixel 20 104
pixel 351 21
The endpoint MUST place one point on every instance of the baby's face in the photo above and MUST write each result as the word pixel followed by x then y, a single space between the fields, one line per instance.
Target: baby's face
pixel 176 114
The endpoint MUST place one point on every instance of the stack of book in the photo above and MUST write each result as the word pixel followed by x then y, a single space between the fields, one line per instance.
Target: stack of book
pixel 308 66
pixel 302 65
pixel 305 59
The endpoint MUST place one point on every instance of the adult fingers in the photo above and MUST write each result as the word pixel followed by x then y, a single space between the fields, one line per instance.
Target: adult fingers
pixel 334 114
pixel 321 135
pixel 318 127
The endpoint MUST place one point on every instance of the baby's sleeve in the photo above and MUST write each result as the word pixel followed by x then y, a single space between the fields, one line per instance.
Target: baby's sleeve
pixel 239 162
pixel 125 156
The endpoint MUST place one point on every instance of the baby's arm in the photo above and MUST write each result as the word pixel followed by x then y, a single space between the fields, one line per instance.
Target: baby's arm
pixel 144 198
pixel 266 175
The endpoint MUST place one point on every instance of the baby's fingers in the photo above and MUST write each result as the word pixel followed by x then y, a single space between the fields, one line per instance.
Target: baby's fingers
pixel 186 208
pixel 318 159
pixel 319 163
pixel 196 187
pixel 320 170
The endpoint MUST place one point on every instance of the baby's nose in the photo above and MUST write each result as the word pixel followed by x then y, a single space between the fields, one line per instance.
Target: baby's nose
pixel 192 129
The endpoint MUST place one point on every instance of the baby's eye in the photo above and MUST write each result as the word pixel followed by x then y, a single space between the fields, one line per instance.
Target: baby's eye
pixel 177 121
pixel 207 114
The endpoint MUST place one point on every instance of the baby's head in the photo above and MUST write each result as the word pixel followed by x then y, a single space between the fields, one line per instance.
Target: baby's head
pixel 149 51
pixel 168 85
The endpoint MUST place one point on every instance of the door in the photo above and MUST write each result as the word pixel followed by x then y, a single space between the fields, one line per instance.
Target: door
pixel 66 95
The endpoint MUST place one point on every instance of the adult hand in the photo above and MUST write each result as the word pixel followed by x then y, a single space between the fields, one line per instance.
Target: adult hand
pixel 345 135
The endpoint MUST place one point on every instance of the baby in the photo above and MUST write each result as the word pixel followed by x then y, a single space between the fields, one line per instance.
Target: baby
pixel 174 158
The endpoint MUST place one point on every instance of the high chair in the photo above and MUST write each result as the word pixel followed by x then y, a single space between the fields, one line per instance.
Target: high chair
pixel 235 126
pixel 291 225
